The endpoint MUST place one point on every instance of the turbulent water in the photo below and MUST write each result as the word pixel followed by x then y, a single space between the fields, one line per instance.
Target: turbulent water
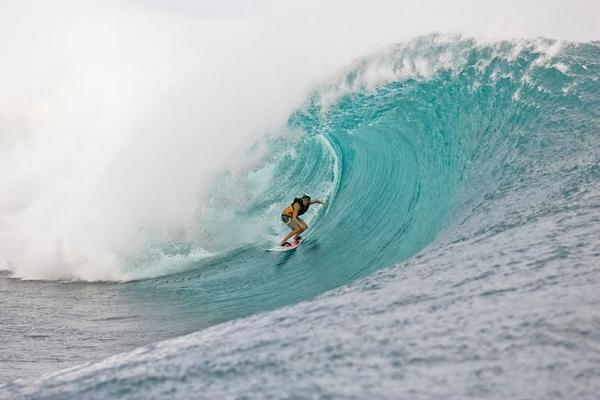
pixel 458 255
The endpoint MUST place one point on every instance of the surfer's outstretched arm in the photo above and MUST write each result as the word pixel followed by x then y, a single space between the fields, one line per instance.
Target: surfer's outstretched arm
pixel 318 201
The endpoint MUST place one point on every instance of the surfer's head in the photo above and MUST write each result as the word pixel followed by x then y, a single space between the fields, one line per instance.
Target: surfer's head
pixel 306 199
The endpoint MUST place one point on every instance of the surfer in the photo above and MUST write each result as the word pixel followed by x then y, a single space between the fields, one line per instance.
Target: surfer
pixel 290 217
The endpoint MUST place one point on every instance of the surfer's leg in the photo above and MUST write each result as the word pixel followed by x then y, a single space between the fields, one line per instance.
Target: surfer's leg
pixel 302 224
pixel 303 227
pixel 295 231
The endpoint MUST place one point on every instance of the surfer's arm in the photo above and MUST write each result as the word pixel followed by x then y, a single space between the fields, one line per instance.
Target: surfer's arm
pixel 318 201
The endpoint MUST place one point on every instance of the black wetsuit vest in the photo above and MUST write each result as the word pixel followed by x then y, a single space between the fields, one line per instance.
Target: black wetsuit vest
pixel 289 211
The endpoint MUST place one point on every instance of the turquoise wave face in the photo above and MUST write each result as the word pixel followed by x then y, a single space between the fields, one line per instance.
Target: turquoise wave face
pixel 438 139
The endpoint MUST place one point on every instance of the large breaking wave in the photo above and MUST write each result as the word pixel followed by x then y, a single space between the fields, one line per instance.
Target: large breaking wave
pixel 479 158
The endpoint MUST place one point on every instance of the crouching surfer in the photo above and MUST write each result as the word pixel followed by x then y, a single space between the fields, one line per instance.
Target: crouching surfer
pixel 291 217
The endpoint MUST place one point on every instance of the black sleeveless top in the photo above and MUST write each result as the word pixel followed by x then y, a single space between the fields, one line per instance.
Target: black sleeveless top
pixel 303 208
pixel 289 211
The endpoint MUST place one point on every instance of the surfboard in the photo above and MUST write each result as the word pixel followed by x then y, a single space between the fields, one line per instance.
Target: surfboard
pixel 286 248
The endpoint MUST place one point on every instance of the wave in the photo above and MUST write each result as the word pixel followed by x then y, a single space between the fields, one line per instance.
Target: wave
pixel 113 130
pixel 402 144
pixel 476 162
pixel 455 139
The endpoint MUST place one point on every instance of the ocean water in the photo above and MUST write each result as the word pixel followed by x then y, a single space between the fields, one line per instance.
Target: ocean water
pixel 458 257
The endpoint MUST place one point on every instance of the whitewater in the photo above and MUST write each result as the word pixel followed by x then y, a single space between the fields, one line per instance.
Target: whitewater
pixel 143 172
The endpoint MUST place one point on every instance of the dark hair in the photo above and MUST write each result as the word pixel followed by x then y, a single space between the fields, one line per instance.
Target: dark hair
pixel 306 197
